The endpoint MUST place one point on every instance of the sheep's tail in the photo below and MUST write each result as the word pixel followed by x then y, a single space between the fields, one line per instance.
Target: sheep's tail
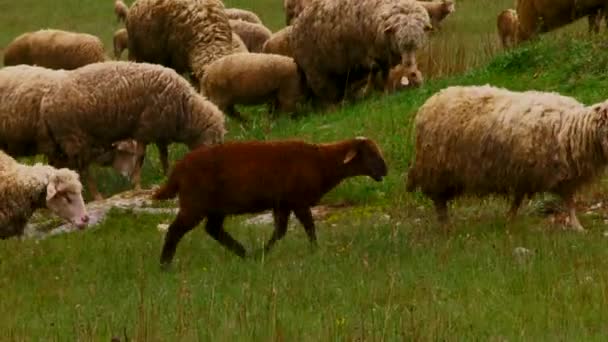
pixel 168 190
pixel 121 10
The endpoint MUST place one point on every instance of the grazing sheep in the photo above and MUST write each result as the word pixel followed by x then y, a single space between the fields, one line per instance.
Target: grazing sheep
pixel 540 16
pixel 120 10
pixel 438 10
pixel 293 8
pixel 278 43
pixel 23 189
pixel 483 140
pixel 121 41
pixel 184 35
pixel 241 14
pixel 253 35
pixel 54 49
pixel 237 44
pixel 385 32
pixel 507 24
pixel 248 177
pixel 253 78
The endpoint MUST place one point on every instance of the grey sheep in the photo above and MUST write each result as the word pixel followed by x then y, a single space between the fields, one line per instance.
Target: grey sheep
pixel 54 49
pixel 482 140
pixel 331 53
pixel 253 35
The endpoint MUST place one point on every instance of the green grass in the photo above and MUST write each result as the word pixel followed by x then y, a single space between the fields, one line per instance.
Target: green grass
pixel 383 271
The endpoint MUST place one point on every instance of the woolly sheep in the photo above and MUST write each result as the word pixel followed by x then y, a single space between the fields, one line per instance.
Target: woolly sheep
pixel 507 24
pixel 241 14
pixel 438 10
pixel 247 177
pixel 141 101
pixel 253 78
pixel 484 140
pixel 23 189
pixel 120 42
pixel 539 16
pixel 293 8
pixel 278 43
pixel 184 35
pixel 253 35
pixel 386 32
pixel 54 49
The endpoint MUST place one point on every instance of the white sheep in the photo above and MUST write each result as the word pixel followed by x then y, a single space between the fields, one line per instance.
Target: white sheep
pixel 55 49
pixel 483 140
pixel 23 189
pixel 253 78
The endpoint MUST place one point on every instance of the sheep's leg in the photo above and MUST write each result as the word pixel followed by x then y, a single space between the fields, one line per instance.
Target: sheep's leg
pixel 305 217
pixel 515 206
pixel 86 173
pixel 281 218
pixel 441 208
pixel 574 222
pixel 163 154
pixel 180 226
pixel 136 176
pixel 215 228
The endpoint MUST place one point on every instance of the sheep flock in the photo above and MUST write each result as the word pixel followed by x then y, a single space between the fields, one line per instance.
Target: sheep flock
pixel 189 63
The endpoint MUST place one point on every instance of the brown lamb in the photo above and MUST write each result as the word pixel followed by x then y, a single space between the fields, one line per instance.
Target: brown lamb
pixel 249 177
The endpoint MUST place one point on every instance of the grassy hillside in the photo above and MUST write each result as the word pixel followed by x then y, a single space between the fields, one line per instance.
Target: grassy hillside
pixel 383 271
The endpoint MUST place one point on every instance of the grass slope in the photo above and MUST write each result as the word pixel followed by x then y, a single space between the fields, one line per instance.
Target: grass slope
pixel 383 270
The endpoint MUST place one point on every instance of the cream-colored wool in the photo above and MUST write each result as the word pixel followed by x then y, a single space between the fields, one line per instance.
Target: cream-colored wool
pixel 121 41
pixel 184 35
pixel 253 35
pixel 23 189
pixel 54 49
pixel 484 140
pixel 278 43
pixel 253 78
pixel 241 14
pixel 329 51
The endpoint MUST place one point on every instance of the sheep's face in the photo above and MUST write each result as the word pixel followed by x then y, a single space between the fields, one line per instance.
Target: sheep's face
pixel 127 156
pixel 402 77
pixel 64 197
pixel 366 158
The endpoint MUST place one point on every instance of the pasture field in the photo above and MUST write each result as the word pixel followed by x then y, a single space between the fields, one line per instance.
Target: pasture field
pixel 383 269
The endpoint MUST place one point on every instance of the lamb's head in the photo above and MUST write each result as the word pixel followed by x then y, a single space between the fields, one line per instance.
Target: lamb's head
pixel 404 76
pixel 365 158
pixel 127 154
pixel 64 197
pixel 207 123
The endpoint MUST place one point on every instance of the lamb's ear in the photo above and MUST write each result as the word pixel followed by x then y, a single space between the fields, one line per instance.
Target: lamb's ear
pixel 352 153
pixel 51 190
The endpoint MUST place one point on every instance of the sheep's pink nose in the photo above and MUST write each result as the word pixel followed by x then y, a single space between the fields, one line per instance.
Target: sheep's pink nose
pixel 85 218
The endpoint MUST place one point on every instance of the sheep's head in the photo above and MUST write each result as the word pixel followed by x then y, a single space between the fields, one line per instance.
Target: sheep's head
pixel 365 158
pixel 406 32
pixel 404 76
pixel 127 154
pixel 64 197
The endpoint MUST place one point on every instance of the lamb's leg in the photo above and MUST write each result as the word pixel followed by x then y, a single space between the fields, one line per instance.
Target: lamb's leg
pixel 163 154
pixel 180 226
pixel 441 208
pixel 305 217
pixel 281 218
pixel 215 228
pixel 515 206
pixel 574 222
pixel 136 176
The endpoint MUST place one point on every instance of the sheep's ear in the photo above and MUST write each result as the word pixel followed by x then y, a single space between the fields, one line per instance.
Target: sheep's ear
pixel 51 190
pixel 352 153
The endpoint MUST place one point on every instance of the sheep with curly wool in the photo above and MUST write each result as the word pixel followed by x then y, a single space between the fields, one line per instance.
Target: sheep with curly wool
pixel 278 43
pixel 293 8
pixel 483 140
pixel 54 49
pixel 120 41
pixel 184 35
pixel 247 177
pixel 253 78
pixel 24 189
pixel 254 35
pixel 241 14
pixel 141 101
pixel 331 53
